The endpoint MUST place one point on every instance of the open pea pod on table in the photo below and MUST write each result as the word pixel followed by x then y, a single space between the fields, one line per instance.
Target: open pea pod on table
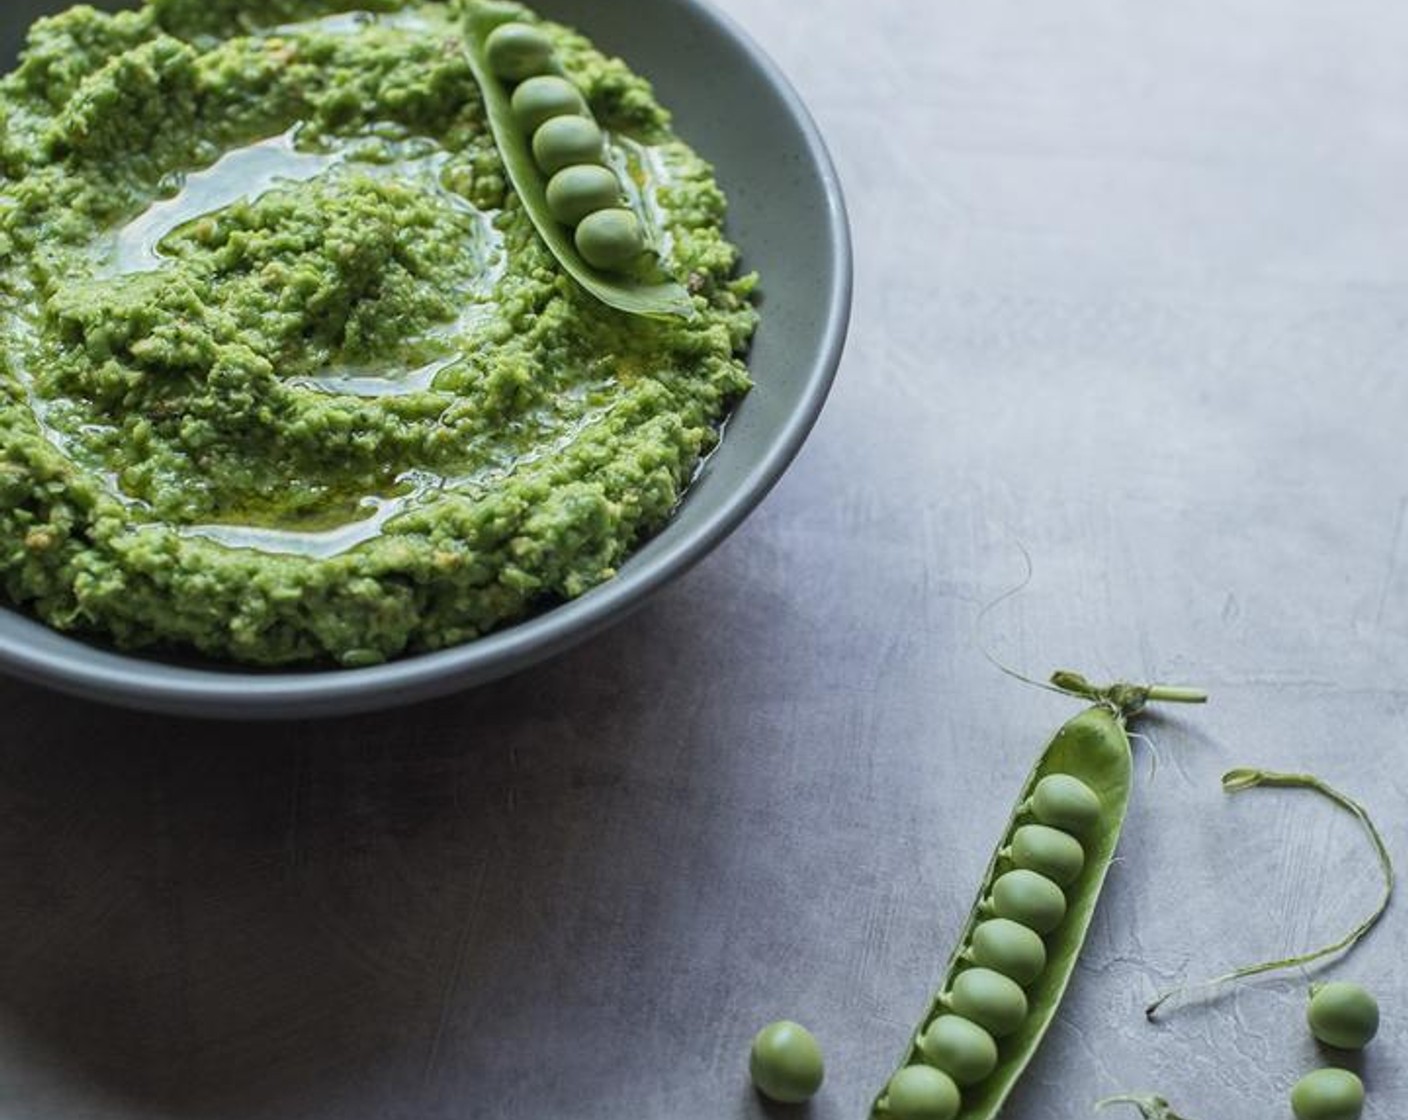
pixel 1019 946
pixel 536 150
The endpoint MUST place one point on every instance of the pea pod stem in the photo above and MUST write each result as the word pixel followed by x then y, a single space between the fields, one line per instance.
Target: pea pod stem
pixel 1075 684
pixel 1172 694
pixel 1244 778
pixel 1126 699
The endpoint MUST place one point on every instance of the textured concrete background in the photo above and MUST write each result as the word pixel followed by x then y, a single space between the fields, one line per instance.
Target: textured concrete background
pixel 1132 285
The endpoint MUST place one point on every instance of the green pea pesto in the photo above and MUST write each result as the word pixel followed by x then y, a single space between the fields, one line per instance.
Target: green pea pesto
pixel 286 375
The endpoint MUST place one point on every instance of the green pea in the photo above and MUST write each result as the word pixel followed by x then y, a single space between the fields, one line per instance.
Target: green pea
pixel 574 192
pixel 922 1093
pixel 1008 947
pixel 1031 899
pixel 1342 1015
pixel 1067 803
pixel 1328 1094
pixel 563 141
pixel 1055 854
pixel 516 51
pixel 785 1062
pixel 960 1048
pixel 610 239
pixel 991 1000
pixel 544 97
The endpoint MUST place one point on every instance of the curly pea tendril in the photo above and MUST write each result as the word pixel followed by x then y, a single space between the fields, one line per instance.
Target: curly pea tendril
pixel 1151 1108
pixel 1244 778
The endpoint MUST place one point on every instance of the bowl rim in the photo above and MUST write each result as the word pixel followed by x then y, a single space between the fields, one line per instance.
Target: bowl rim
pixel 127 680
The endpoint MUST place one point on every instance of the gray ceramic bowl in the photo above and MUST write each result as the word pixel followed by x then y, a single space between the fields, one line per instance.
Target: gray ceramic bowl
pixel 734 106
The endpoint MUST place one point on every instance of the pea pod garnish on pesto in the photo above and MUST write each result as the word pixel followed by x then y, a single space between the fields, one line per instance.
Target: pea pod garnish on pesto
pixel 543 134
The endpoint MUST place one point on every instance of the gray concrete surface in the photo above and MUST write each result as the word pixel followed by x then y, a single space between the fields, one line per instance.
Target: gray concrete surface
pixel 1131 292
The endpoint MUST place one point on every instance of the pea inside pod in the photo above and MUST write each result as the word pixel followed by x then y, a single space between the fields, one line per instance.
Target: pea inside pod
pixel 577 192
pixel 1047 851
pixel 1065 802
pixel 993 1001
pixel 563 141
pixel 1079 785
pixel 1029 899
pixel 959 1047
pixel 610 239
pixel 1008 947
pixel 539 99
pixel 922 1093
pixel 518 50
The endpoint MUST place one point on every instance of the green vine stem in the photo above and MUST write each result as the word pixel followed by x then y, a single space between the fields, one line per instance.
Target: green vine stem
pixel 1169 694
pixel 1125 699
pixel 1244 778
pixel 1151 1108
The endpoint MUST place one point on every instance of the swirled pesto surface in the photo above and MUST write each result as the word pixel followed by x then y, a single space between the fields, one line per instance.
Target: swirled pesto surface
pixel 287 376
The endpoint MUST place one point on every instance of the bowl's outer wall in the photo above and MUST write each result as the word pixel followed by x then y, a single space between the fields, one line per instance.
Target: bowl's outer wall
pixel 785 210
